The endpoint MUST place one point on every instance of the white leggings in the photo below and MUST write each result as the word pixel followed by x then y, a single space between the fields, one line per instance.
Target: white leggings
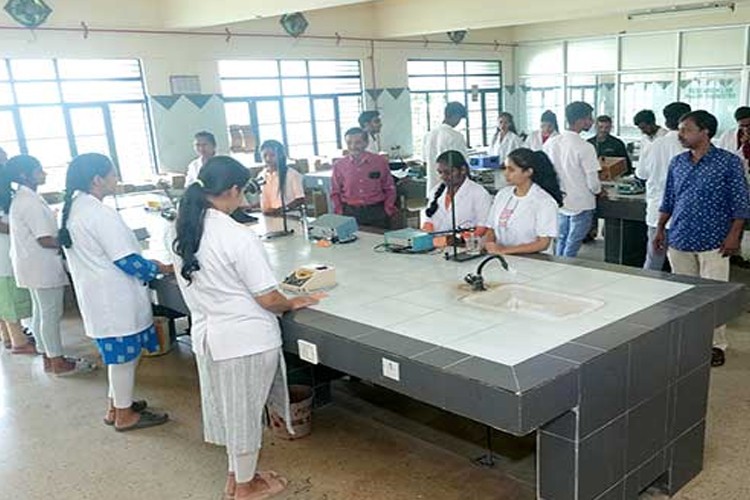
pixel 47 306
pixel 243 466
pixel 121 383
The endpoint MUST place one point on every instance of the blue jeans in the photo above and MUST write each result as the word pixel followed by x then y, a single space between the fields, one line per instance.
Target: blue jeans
pixel 573 229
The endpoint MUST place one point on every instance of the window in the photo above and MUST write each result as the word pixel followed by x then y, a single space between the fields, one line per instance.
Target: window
pixel 597 90
pixel 476 84
pixel 306 104
pixel 55 109
pixel 643 91
pixel 540 93
pixel 716 91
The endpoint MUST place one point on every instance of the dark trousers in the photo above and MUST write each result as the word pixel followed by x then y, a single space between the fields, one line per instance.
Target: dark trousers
pixel 369 215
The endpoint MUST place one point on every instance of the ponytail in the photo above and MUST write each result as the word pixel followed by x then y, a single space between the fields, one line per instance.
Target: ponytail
pixel 218 175
pixel 81 173
pixel 434 204
pixel 19 169
pixel 544 172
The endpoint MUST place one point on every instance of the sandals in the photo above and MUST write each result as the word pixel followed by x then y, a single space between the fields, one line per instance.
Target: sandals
pixel 24 349
pixel 147 419
pixel 82 366
pixel 275 484
pixel 137 406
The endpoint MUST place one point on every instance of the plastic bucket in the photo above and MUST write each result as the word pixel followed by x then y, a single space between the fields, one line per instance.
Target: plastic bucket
pixel 300 402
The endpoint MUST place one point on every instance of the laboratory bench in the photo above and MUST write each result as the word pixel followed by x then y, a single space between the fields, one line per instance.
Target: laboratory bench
pixel 608 365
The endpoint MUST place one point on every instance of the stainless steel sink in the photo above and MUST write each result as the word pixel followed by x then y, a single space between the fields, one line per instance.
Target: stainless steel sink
pixel 532 302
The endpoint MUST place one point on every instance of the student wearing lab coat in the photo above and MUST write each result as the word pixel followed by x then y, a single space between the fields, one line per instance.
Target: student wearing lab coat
pixel 35 258
pixel 110 277
pixel 278 177
pixel 547 130
pixel 506 137
pixel 523 217
pixel 227 282
pixel 472 200
pixel 204 145
pixel 444 138
pixel 737 140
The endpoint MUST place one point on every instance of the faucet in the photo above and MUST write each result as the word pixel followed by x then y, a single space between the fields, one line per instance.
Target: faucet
pixel 476 280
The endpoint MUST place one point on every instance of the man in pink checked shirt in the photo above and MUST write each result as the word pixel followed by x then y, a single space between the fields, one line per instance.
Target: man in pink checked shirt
pixel 362 186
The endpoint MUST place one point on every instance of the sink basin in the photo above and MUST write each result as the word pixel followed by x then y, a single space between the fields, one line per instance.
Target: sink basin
pixel 533 302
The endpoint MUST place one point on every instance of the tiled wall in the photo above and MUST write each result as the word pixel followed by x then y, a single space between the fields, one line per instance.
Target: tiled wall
pixel 176 119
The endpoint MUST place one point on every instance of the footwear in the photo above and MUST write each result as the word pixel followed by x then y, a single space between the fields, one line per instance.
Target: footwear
pixel 24 349
pixel 275 484
pixel 147 419
pixel 717 357
pixel 82 366
pixel 137 406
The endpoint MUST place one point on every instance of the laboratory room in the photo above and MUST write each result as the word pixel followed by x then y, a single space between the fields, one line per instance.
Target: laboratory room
pixel 374 250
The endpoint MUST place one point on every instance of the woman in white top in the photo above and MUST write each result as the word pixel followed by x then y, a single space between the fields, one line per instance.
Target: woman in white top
pixel 230 289
pixel 280 180
pixel 472 201
pixel 506 138
pixel 523 217
pixel 35 258
pixel 548 129
pixel 110 278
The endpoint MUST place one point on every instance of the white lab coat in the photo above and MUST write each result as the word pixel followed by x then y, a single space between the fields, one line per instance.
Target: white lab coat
pixel 437 141
pixel 227 322
pixel 578 168
pixel 653 168
pixel 34 266
pixel 503 147
pixel 112 302
pixel 647 142
pixel 535 143
pixel 193 169
pixel 472 206
pixel 373 144
pixel 728 141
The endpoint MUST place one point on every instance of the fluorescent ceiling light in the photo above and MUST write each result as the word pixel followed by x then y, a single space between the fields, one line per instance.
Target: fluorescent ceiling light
pixel 683 10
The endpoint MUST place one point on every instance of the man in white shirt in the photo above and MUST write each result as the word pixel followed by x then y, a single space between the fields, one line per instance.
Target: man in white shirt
pixel 645 120
pixel 371 123
pixel 444 138
pixel 578 168
pixel 653 167
pixel 737 140
pixel 205 147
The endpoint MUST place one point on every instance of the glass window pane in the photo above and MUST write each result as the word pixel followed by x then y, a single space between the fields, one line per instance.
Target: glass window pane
pixel 334 68
pixel 293 68
pixel 102 91
pixel 6 94
pixel 717 47
pixel 7 126
pixel 247 88
pixel 335 86
pixel 4 70
pixel 324 110
pixel 328 148
pixel 349 109
pixel 649 51
pixel 43 122
pixel 299 133
pixel 718 92
pixel 540 94
pixel 254 68
pixel 37 93
pixel 643 91
pixel 456 83
pixel 268 111
pixel 301 150
pixel 540 59
pixel 415 68
pixel 98 68
pixel 482 67
pixel 268 132
pixel 296 109
pixel 592 55
pixel 425 83
pixel 87 121
pixel 50 152
pixel 483 82
pixel 130 129
pixel 294 86
pixel 93 144
pixel 237 113
pixel 454 67
pixel 32 69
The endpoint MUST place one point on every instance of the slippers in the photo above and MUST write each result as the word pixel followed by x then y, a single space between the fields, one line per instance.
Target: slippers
pixel 147 419
pixel 82 366
pixel 137 406
pixel 275 484
pixel 24 349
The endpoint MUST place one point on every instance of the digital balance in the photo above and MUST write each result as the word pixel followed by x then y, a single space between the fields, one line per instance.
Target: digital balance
pixel 309 278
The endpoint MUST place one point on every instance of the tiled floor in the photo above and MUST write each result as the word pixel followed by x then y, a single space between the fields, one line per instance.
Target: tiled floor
pixel 370 444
